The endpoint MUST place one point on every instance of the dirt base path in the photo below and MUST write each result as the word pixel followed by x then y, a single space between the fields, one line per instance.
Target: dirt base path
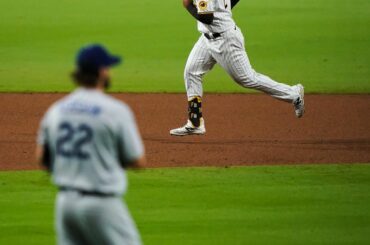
pixel 241 129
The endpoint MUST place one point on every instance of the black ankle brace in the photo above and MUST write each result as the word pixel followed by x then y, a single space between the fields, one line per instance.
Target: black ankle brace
pixel 195 111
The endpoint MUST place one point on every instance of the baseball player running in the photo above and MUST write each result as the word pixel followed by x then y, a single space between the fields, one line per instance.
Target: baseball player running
pixel 86 140
pixel 222 42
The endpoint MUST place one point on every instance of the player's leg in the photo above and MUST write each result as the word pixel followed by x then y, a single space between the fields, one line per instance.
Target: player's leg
pixel 235 61
pixel 106 220
pixel 200 61
pixel 66 223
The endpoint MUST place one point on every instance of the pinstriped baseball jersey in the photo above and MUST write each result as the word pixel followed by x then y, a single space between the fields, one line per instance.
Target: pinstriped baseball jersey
pixel 89 134
pixel 221 10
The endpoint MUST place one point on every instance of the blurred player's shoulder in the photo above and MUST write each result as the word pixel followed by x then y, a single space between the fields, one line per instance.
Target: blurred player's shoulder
pixel 114 105
pixel 95 100
pixel 92 103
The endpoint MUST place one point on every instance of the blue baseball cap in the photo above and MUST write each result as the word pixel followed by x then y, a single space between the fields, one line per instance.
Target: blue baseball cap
pixel 93 57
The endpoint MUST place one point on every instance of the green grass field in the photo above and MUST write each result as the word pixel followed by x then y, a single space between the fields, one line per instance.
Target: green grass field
pixel 307 204
pixel 323 44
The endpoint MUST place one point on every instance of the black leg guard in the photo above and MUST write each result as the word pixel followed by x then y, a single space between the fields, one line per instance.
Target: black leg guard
pixel 195 111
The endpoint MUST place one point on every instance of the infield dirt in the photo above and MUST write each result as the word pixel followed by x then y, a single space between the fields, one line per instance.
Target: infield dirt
pixel 242 129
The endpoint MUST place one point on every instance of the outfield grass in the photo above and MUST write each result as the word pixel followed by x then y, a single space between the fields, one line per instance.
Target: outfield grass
pixel 311 204
pixel 323 44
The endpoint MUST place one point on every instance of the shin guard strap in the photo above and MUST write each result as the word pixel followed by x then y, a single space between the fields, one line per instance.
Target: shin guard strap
pixel 195 111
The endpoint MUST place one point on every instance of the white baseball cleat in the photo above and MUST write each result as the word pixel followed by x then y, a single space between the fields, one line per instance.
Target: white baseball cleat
pixel 189 129
pixel 299 102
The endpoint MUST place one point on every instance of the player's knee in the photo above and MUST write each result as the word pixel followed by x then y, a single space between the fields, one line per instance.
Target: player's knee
pixel 191 75
pixel 248 78
pixel 243 79
pixel 188 72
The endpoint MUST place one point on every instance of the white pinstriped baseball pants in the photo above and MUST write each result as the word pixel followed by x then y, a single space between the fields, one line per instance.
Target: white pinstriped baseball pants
pixel 229 51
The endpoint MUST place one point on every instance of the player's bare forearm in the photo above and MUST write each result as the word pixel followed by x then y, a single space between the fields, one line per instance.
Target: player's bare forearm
pixel 204 18
pixel 234 3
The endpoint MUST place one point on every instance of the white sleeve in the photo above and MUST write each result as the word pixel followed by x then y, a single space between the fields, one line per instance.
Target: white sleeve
pixel 131 146
pixel 205 6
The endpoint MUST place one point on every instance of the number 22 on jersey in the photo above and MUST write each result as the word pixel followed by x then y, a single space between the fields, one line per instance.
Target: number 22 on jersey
pixel 71 140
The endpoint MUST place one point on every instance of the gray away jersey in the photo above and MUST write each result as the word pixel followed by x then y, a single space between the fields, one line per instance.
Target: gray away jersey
pixel 221 10
pixel 89 134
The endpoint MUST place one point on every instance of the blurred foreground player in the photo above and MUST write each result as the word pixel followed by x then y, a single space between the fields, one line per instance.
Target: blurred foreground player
pixel 87 140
